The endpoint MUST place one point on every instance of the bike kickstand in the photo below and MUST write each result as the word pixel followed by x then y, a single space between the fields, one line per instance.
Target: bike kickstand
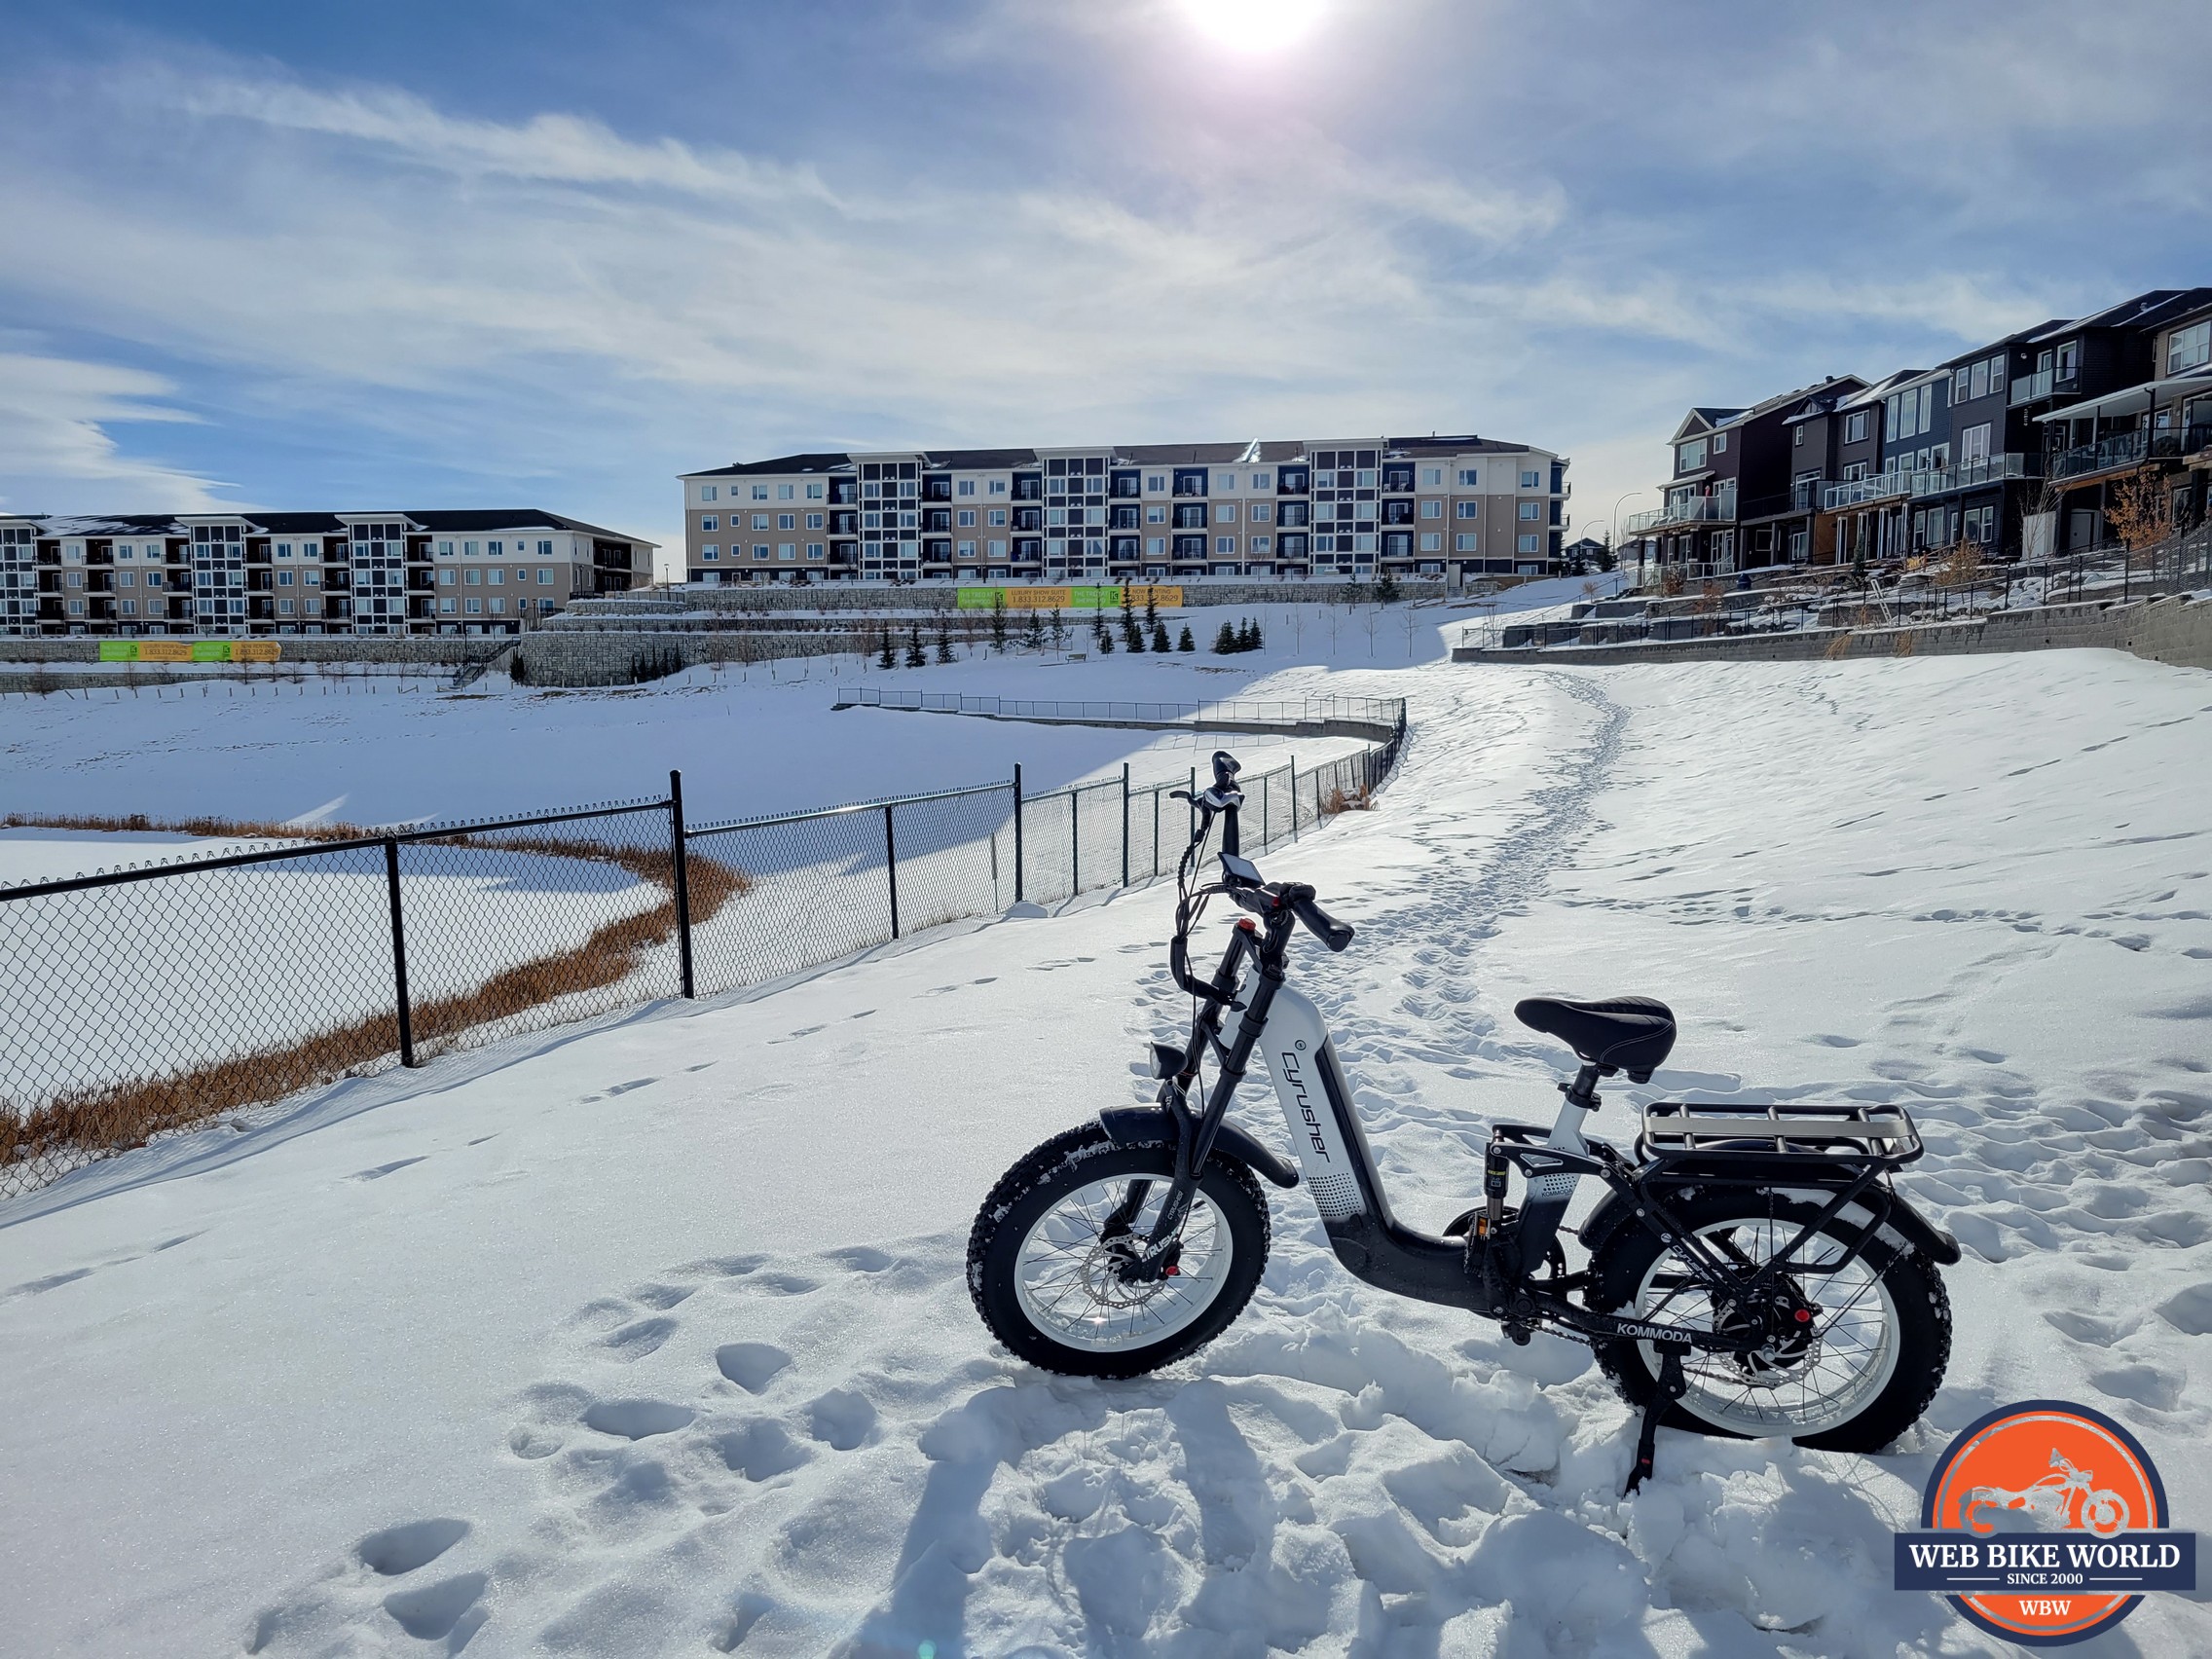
pixel 1670 1387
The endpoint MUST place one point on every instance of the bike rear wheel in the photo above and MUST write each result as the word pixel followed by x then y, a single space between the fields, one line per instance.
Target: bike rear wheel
pixel 1045 1244
pixel 1854 1376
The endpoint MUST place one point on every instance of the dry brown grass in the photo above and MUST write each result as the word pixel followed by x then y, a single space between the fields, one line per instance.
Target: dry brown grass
pixel 84 1124
pixel 1838 647
pixel 1357 799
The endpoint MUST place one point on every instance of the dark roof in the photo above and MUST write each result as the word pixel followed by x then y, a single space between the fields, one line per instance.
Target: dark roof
pixel 462 519
pixel 2047 326
pixel 818 461
pixel 1445 443
pixel 1183 454
pixel 974 460
pixel 1260 452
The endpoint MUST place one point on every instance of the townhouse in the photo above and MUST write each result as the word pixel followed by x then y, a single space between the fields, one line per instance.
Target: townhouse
pixel 495 571
pixel 2016 447
pixel 1349 508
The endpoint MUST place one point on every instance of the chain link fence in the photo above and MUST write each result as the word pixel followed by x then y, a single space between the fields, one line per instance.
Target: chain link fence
pixel 152 999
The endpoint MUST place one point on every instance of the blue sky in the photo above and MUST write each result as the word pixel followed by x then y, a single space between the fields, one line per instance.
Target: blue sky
pixel 488 253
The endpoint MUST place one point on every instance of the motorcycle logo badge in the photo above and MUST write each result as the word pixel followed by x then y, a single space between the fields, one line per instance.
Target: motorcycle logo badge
pixel 2045 1523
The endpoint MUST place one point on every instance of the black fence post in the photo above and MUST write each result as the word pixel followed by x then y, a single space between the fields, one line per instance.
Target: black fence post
pixel 1125 824
pixel 680 862
pixel 891 867
pixel 1194 799
pixel 1017 833
pixel 398 954
pixel 1294 797
pixel 1074 842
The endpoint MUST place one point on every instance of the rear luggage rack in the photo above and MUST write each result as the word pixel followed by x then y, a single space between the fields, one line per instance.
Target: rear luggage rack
pixel 1674 1129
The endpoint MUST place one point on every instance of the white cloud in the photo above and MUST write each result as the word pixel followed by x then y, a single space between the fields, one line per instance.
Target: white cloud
pixel 56 454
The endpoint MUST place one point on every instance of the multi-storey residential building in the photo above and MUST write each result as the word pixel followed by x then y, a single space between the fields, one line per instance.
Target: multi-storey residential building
pixel 1345 507
pixel 2013 446
pixel 466 572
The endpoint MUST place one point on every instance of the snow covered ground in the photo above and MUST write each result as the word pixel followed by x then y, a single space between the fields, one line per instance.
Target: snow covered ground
pixel 370 753
pixel 650 1338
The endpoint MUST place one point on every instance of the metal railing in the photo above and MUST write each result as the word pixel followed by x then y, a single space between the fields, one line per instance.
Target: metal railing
pixel 1387 713
pixel 1717 506
pixel 149 1000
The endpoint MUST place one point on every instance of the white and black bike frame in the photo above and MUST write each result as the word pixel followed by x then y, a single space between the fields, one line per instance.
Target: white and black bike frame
pixel 1508 1265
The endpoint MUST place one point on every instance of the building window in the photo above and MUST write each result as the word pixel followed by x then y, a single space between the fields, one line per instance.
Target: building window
pixel 283 578
pixel 995 517
pixel 814 492
pixel 1226 513
pixel 759 552
pixel 1431 542
pixel 966 518
pixel 965 487
pixel 468 548
pixel 710 554
pixel 785 491
pixel 1531 510
pixel 1720 447
pixel 1432 509
pixel 1469 477
pixel 1224 545
pixel 2191 348
pixel 1854 426
pixel 544 578
pixel 706 491
pixel 1155 547
pixel 787 521
pixel 1465 541
pixel 1689 456
pixel 1530 543
pixel 475 607
pixel 1470 509
pixel 1155 481
pixel 814 549
pixel 787 550
pixel 759 492
pixel 710 522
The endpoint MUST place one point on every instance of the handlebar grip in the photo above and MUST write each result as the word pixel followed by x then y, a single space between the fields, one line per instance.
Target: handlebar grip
pixel 1330 931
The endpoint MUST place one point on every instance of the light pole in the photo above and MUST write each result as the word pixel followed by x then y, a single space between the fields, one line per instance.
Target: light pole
pixel 1615 531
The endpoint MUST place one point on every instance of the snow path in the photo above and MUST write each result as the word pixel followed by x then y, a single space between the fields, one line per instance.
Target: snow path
pixel 605 1345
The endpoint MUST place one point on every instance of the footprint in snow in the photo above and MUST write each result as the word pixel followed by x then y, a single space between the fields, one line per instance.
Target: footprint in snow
pixel 635 1342
pixel 752 1366
pixel 637 1419
pixel 384 1169
pixel 397 1551
pixel 633 1082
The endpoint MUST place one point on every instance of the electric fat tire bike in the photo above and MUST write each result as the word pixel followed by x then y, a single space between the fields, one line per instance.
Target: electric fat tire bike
pixel 1749 1272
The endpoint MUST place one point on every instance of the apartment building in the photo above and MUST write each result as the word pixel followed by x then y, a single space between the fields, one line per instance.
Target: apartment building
pixel 1348 509
pixel 495 571
pixel 2016 445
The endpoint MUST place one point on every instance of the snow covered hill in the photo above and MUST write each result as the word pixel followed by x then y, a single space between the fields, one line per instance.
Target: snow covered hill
pixel 651 1339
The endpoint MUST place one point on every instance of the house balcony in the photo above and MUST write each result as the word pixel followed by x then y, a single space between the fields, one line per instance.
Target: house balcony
pixel 1718 506
pixel 2129 449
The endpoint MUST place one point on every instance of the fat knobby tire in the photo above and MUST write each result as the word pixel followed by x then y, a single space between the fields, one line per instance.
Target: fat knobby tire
pixel 1074 1159
pixel 1924 1321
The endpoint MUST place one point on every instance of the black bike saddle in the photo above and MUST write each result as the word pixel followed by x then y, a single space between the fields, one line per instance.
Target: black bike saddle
pixel 1630 1034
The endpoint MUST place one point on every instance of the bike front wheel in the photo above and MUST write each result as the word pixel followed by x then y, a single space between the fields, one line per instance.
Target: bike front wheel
pixel 1851 1375
pixel 1045 1250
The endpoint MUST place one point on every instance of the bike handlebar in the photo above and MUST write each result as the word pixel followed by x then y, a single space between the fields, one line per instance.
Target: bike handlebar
pixel 1318 922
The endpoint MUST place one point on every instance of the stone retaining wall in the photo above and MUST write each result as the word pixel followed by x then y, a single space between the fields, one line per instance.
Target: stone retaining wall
pixel 2177 631
pixel 451 649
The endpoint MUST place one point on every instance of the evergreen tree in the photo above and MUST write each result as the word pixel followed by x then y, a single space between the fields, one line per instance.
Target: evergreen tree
pixel 914 656
pixel 1033 633
pixel 1387 588
pixel 998 621
pixel 1151 608
pixel 1129 635
pixel 1186 643
pixel 1104 639
pixel 943 643
pixel 1159 635
pixel 1225 643
pixel 885 659
pixel 1258 638
pixel 1246 639
pixel 1059 632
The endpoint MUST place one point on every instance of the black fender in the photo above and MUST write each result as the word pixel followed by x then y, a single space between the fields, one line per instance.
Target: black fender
pixel 1908 1224
pixel 1130 1126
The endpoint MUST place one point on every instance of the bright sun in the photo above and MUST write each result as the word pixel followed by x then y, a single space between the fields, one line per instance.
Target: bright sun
pixel 1255 25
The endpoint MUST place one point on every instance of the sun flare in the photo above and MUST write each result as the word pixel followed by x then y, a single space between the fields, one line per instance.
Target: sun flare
pixel 1255 25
